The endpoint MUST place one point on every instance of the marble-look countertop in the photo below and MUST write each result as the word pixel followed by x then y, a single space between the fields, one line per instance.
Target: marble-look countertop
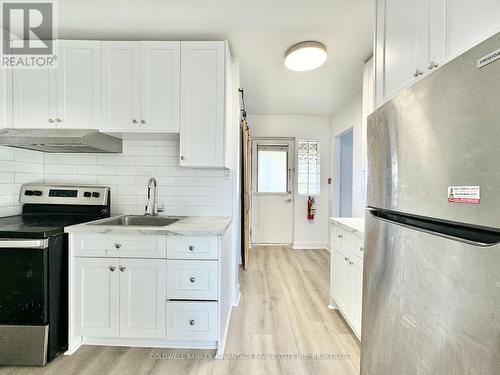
pixel 350 223
pixel 186 226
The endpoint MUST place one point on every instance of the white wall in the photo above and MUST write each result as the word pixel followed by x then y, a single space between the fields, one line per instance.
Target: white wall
pixel 341 121
pixel 17 167
pixel 306 234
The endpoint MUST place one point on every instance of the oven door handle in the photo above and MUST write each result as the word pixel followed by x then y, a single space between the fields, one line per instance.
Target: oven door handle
pixel 15 243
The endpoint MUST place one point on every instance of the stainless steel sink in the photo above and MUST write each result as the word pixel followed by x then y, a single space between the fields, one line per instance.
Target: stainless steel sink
pixel 139 221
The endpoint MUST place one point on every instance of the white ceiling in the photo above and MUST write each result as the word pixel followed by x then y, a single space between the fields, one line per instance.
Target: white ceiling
pixel 259 33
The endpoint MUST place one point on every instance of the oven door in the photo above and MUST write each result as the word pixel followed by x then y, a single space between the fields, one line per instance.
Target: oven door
pixel 23 301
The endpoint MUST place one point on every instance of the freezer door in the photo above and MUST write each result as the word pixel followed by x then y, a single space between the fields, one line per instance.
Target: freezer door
pixel 442 132
pixel 431 304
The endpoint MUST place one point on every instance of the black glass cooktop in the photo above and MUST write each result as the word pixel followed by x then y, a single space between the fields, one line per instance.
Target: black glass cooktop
pixel 35 225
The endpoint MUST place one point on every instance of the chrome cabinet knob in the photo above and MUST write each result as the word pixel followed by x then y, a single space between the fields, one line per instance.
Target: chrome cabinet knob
pixel 191 248
pixel 417 73
pixel 58 120
pixel 361 249
pixel 112 269
pixel 134 121
pixel 289 200
pixel 351 263
pixel 117 245
pixel 432 65
pixel 191 322
pixel 345 258
pixel 339 236
pixel 51 120
pixel 192 279
pixel 122 269
pixel 183 158
pixel 143 121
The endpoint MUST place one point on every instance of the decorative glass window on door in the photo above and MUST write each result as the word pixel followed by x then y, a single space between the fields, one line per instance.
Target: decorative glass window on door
pixel 308 168
pixel 272 168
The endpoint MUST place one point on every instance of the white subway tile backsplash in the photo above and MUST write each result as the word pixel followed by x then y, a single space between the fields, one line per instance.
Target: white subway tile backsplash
pixel 77 159
pixel 16 168
pixel 182 191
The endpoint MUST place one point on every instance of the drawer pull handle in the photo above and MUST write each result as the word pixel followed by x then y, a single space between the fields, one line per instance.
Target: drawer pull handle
pixel 117 245
pixel 122 269
pixel 192 279
pixel 191 322
pixel 345 258
pixel 112 269
pixel 191 248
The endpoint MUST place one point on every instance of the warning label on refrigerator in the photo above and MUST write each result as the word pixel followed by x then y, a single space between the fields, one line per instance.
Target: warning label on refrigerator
pixel 464 194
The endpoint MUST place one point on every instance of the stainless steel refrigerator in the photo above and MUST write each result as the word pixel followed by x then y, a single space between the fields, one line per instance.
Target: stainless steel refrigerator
pixel 431 298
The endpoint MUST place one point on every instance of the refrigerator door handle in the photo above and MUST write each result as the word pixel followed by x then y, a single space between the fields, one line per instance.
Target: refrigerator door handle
pixel 481 237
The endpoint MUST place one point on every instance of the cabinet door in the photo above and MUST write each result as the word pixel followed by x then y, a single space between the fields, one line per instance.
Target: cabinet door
pixel 401 45
pixel 339 279
pixel 468 23
pixel 202 104
pixel 79 84
pixel 357 282
pixel 96 297
pixel 142 298
pixel 3 97
pixel 121 85
pixel 160 86
pixel 33 96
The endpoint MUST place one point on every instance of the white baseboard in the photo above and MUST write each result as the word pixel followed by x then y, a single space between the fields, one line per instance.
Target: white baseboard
pixel 309 246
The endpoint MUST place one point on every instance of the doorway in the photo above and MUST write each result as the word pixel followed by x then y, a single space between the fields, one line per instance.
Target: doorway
pixel 346 156
pixel 272 191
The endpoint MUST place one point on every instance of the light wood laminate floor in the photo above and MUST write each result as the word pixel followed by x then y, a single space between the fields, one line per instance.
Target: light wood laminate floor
pixel 283 311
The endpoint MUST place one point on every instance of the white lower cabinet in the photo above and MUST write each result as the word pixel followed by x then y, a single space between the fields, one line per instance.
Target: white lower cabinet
pixel 346 274
pixel 120 297
pixel 150 290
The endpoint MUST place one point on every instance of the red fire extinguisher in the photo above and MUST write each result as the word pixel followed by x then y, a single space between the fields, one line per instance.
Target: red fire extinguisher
pixel 311 208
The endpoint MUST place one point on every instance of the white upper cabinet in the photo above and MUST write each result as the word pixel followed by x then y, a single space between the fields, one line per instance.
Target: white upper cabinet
pixel 34 99
pixel 414 38
pixel 203 104
pixel 160 86
pixel 78 84
pixel 141 86
pixel 468 23
pixel 121 85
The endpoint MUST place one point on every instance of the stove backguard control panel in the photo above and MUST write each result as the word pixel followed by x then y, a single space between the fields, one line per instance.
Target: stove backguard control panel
pixel 61 194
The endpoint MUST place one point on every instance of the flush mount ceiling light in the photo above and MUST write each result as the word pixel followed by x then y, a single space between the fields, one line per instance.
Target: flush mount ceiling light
pixel 305 56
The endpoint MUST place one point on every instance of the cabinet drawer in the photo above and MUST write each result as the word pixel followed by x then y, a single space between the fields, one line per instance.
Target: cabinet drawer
pixel 192 321
pixel 192 247
pixel 124 246
pixel 342 237
pixel 192 279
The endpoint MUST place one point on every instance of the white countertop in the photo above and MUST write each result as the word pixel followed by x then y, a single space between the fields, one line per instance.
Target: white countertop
pixel 186 226
pixel 350 223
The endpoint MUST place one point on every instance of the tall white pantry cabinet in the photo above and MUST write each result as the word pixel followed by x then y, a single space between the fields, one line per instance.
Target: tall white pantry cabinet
pixel 414 38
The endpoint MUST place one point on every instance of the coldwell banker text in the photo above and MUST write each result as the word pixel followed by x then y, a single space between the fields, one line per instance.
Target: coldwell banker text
pixel 28 35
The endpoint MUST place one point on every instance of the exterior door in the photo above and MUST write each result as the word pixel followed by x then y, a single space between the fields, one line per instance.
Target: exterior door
pixel 142 297
pixel 79 84
pixel 121 85
pixel 97 297
pixel 273 166
pixel 160 86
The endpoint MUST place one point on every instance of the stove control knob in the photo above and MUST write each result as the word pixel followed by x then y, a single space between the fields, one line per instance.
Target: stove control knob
pixel 28 192
pixel 37 193
pixel 95 194
pixel 87 194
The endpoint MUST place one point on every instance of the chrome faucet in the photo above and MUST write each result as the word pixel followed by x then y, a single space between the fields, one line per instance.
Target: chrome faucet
pixel 152 205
